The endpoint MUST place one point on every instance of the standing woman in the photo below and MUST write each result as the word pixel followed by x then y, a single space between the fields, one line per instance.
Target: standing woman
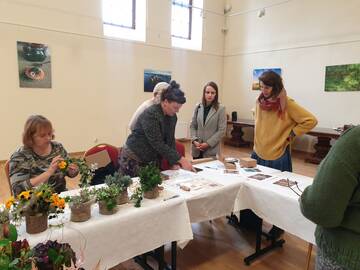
pixel 208 124
pixel 36 162
pixel 276 124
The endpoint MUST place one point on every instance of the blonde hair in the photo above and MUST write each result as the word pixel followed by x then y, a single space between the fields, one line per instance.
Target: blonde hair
pixel 32 125
pixel 158 89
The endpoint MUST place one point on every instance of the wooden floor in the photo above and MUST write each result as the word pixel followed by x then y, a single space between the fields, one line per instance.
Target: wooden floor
pixel 218 246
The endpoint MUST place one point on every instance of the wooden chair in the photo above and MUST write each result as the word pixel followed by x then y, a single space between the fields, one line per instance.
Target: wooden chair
pixel 7 174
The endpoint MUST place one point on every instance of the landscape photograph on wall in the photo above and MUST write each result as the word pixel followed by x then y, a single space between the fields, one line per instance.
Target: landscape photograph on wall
pixel 342 78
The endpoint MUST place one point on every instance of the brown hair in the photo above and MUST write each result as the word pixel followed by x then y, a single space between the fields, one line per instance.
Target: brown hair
pixel 215 102
pixel 32 125
pixel 272 79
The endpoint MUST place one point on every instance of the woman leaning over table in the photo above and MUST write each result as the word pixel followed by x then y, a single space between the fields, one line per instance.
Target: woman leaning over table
pixel 332 202
pixel 37 161
pixel 153 136
pixel 278 119
pixel 208 124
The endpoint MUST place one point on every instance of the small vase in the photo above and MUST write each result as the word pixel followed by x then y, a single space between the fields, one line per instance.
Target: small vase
pixel 80 212
pixel 36 224
pixel 104 210
pixel 122 198
pixel 152 194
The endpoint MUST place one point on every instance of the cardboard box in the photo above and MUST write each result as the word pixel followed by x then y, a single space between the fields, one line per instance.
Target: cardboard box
pixel 247 162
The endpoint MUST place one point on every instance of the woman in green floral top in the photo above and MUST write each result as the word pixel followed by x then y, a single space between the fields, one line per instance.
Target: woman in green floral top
pixel 37 161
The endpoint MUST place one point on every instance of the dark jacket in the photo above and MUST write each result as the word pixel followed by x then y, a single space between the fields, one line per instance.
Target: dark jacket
pixel 153 136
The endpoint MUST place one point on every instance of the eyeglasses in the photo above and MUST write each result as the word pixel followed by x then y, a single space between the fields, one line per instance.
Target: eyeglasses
pixel 289 184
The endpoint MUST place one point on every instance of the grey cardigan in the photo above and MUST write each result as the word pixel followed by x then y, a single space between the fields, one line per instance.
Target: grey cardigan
pixel 211 132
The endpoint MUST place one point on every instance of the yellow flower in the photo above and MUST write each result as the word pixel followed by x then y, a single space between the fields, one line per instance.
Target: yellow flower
pixel 62 164
pixel 39 194
pixel 10 202
pixel 24 195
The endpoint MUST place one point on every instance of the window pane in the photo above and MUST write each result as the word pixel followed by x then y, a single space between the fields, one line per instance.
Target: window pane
pixel 118 12
pixel 180 21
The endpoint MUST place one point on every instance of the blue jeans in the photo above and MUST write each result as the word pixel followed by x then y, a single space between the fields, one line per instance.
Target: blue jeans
pixel 283 163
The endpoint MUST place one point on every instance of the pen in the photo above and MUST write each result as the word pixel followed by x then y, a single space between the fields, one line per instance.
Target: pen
pixel 172 197
pixel 208 167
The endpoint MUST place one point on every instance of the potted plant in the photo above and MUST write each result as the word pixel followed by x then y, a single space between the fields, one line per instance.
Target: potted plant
pixel 4 219
pixel 122 182
pixel 80 205
pixel 106 198
pixel 36 205
pixel 14 255
pixel 86 172
pixel 52 255
pixel 150 179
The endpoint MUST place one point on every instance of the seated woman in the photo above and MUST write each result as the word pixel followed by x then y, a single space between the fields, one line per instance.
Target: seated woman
pixel 36 162
pixel 208 124
pixel 152 138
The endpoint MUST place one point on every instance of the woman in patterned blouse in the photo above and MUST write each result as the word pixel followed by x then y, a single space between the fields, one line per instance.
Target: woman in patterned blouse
pixel 36 162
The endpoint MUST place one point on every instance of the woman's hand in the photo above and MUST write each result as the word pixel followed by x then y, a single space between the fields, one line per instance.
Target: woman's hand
pixel 72 170
pixel 186 165
pixel 54 165
pixel 203 146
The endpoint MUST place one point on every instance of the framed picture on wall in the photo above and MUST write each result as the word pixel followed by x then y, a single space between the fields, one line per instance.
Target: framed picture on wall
pixel 342 78
pixel 257 73
pixel 152 77
pixel 34 62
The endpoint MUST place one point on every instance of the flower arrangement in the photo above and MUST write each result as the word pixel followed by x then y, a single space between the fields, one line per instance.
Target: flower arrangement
pixel 53 255
pixel 86 171
pixel 15 255
pixel 39 202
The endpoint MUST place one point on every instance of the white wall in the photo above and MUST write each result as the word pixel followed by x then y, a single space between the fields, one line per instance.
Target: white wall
pixel 302 38
pixel 97 83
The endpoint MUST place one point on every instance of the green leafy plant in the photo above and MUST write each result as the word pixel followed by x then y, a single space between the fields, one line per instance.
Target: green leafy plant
pixel 150 177
pixel 85 195
pixel 137 197
pixel 108 195
pixel 14 255
pixel 119 180
pixel 86 172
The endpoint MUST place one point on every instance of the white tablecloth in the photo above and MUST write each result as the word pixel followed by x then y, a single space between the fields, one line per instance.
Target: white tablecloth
pixel 129 232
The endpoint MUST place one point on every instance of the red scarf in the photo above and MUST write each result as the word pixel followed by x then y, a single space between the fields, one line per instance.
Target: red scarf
pixel 270 105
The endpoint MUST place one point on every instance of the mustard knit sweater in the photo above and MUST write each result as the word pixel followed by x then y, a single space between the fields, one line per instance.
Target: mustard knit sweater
pixel 272 132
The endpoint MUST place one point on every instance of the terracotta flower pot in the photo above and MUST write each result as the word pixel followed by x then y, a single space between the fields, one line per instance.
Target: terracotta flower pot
pixel 152 194
pixel 36 224
pixel 103 209
pixel 122 198
pixel 80 212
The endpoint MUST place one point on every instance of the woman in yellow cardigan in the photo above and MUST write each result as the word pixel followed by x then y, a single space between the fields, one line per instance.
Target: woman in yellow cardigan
pixel 278 119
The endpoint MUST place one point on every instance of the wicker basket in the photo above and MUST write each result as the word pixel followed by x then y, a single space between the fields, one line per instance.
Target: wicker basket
pixel 80 212
pixel 103 209
pixel 152 194
pixel 36 224
pixel 122 198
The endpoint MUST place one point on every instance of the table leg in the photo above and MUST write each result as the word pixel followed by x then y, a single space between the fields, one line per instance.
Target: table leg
pixel 322 147
pixel 236 137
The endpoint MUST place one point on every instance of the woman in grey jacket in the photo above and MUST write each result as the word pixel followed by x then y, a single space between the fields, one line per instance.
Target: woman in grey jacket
pixel 208 124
